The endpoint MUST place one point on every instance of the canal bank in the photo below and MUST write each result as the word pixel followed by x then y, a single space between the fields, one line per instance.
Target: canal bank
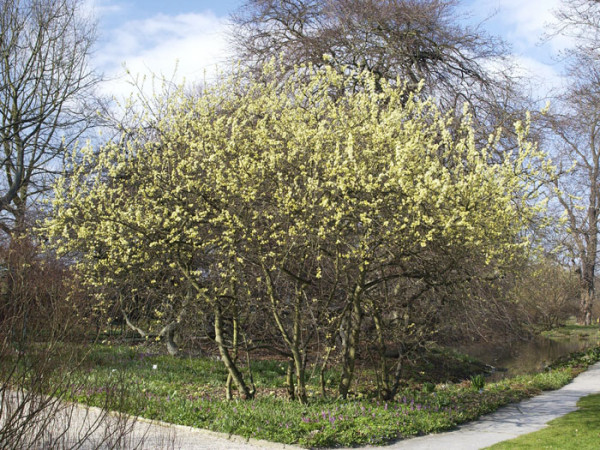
pixel 535 355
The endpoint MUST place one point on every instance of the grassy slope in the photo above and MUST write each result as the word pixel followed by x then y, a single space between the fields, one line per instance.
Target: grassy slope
pixel 574 330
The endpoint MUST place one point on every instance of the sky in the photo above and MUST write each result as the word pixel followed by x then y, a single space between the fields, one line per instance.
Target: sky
pixel 184 40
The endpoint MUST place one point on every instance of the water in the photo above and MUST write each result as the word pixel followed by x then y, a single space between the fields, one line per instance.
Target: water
pixel 527 357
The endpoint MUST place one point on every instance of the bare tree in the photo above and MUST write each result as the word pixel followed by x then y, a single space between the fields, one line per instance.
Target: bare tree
pixel 580 20
pixel 45 93
pixel 411 39
pixel 576 128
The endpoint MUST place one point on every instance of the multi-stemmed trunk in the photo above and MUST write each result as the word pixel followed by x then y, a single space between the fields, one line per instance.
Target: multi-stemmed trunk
pixel 294 340
pixel 350 350
pixel 234 374
pixel 387 385
pixel 233 371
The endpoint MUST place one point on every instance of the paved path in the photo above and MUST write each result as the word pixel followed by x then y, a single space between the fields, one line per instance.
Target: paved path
pixel 63 425
pixel 152 435
pixel 512 420
pixel 507 423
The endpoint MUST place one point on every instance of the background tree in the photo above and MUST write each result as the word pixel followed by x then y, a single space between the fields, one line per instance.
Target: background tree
pixel 45 96
pixel 575 123
pixel 415 40
pixel 579 20
pixel 576 128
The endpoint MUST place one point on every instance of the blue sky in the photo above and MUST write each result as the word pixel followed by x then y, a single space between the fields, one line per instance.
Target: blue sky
pixel 186 37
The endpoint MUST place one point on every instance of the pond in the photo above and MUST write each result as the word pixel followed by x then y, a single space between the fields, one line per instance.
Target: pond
pixel 528 356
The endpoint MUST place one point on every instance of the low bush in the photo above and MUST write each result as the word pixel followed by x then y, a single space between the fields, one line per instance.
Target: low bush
pixel 478 381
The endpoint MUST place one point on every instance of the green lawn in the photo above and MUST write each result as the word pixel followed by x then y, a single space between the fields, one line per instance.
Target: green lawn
pixel 577 430
pixel 572 329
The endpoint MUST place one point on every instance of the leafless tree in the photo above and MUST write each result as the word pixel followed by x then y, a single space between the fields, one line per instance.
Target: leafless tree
pixel 576 128
pixel 580 20
pixel 46 87
pixel 577 152
pixel 411 39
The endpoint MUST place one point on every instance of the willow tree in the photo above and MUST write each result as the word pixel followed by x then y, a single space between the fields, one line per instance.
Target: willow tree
pixel 276 196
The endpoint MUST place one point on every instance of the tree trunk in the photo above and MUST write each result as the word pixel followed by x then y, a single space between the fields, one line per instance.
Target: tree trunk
pixel 235 339
pixel 322 371
pixel 234 372
pixel 587 291
pixel 290 380
pixel 350 352
pixel 293 342
pixel 384 387
pixel 169 334
pixel 296 353
pixel 586 308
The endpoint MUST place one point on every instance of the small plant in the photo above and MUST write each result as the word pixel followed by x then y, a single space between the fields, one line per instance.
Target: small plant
pixel 478 382
pixel 428 388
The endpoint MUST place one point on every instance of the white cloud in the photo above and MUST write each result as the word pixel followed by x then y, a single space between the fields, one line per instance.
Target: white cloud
pixel 185 45
pixel 524 23
pixel 100 8
pixel 530 18
pixel 543 79
pixel 534 77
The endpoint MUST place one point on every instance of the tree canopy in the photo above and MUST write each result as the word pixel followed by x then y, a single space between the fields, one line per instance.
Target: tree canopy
pixel 275 195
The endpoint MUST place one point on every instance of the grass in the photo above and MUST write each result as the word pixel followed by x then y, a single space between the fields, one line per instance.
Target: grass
pixel 571 330
pixel 189 391
pixel 577 430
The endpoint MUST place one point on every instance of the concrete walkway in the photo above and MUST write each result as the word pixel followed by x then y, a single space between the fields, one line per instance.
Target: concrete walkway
pixel 507 423
pixel 29 421
pixel 512 420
